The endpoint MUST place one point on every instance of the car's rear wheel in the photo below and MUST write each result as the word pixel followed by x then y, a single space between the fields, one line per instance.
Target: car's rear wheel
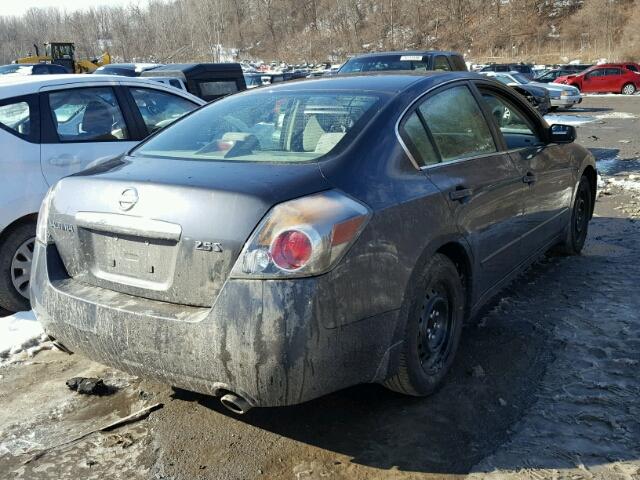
pixel 580 217
pixel 432 331
pixel 629 89
pixel 16 253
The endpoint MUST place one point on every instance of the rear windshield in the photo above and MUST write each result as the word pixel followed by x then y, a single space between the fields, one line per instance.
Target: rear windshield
pixel 267 125
pixel 386 62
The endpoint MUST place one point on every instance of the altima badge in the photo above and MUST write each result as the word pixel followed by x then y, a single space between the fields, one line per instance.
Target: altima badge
pixel 128 199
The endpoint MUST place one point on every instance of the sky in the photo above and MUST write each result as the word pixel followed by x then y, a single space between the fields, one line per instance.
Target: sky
pixel 18 7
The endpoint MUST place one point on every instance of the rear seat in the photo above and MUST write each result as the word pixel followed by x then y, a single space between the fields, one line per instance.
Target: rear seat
pixel 327 141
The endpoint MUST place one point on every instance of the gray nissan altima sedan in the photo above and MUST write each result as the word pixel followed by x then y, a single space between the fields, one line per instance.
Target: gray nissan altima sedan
pixel 290 241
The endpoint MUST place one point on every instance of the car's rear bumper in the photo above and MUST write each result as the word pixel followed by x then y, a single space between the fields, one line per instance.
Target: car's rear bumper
pixel 264 340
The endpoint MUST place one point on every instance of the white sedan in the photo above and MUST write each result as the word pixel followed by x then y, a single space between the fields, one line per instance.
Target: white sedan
pixel 561 96
pixel 52 126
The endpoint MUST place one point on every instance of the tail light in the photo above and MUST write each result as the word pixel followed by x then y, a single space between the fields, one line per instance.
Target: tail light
pixel 302 237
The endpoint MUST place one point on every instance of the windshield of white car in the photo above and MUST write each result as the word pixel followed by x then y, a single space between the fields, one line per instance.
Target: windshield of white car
pixel 15 68
pixel 264 126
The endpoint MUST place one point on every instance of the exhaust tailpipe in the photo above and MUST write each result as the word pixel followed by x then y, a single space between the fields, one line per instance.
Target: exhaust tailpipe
pixel 235 403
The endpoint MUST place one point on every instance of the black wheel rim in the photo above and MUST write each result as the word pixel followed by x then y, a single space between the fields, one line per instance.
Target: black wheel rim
pixel 435 327
pixel 581 215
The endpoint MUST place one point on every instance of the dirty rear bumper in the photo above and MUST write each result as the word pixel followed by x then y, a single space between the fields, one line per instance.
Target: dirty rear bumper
pixel 264 340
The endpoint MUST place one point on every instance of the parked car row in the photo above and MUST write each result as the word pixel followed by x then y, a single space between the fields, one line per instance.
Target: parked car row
pixel 560 96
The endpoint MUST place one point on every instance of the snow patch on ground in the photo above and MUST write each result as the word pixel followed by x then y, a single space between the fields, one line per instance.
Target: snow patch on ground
pixel 18 332
pixel 604 95
pixel 577 120
pixel 574 120
pixel 610 115
pixel 632 182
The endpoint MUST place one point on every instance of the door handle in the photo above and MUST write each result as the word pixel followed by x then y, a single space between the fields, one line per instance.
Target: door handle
pixel 460 194
pixel 64 160
pixel 529 178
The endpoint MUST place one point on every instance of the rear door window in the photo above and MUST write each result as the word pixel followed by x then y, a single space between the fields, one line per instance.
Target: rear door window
pixel 159 109
pixel 15 117
pixel 457 124
pixel 458 62
pixel 441 63
pixel 87 115
pixel 417 140
pixel 612 71
pixel 217 88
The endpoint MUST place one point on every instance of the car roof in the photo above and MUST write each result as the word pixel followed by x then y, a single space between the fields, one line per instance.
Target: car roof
pixel 404 52
pixel 617 64
pixel 386 82
pixel 201 67
pixel 130 66
pixel 16 85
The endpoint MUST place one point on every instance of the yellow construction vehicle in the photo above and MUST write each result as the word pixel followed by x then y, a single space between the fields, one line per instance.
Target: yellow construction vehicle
pixel 63 53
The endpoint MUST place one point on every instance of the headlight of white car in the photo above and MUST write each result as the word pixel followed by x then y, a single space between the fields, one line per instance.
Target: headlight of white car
pixel 42 232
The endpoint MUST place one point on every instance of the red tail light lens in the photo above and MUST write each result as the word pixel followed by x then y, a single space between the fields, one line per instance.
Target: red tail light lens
pixel 302 237
pixel 291 250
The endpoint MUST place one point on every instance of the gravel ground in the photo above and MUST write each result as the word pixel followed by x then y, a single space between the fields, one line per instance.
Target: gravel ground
pixel 545 385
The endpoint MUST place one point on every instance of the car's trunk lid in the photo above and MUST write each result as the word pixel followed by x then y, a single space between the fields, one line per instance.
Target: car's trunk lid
pixel 168 230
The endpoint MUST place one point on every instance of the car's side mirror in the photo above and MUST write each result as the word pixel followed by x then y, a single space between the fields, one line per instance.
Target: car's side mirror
pixel 562 133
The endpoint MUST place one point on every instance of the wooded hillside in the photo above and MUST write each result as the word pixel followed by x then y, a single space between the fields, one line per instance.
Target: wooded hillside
pixel 329 30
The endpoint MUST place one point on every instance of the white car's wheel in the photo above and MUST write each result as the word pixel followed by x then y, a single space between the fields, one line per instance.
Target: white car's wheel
pixel 16 254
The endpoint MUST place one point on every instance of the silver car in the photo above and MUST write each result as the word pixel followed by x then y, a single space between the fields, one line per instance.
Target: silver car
pixel 561 96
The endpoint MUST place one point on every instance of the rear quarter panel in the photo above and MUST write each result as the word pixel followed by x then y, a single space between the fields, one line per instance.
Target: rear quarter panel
pixel 410 217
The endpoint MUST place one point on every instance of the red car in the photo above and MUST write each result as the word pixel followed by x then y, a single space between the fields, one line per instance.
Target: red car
pixel 611 77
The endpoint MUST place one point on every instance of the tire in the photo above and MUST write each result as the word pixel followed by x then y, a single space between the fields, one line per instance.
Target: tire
pixel 579 223
pixel 16 252
pixel 429 346
pixel 628 89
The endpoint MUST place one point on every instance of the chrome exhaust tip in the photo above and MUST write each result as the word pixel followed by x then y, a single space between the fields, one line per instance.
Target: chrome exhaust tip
pixel 235 403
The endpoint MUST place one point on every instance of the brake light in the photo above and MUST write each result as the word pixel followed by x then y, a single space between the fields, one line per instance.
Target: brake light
pixel 302 237
pixel 291 250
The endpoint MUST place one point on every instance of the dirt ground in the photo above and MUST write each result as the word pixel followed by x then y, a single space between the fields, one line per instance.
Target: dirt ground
pixel 545 385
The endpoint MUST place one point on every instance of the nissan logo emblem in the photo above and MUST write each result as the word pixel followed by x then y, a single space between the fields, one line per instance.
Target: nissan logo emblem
pixel 128 199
